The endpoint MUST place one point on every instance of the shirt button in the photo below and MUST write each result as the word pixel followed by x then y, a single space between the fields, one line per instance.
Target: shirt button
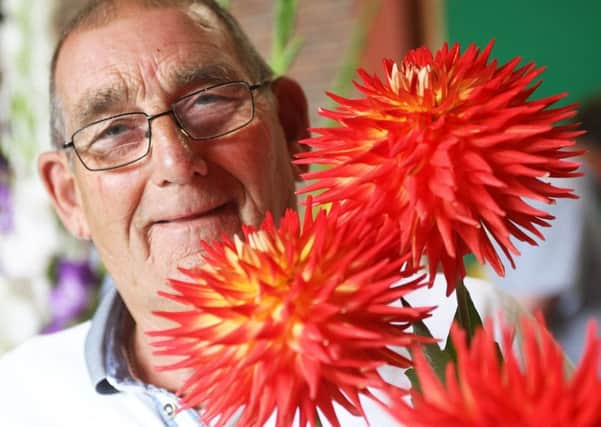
pixel 169 409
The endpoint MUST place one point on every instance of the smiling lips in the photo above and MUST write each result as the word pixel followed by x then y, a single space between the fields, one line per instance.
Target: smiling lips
pixel 200 214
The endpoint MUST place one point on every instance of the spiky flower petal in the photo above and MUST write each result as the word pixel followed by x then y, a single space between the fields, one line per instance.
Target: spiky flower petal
pixel 481 391
pixel 450 146
pixel 291 320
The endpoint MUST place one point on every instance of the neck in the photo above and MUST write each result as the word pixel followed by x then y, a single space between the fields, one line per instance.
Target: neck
pixel 145 365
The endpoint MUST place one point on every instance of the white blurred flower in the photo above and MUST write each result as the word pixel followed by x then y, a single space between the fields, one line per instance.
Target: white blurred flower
pixel 21 313
pixel 26 250
pixel 26 45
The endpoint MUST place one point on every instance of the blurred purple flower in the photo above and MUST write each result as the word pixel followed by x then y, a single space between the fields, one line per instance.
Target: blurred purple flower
pixel 6 211
pixel 72 294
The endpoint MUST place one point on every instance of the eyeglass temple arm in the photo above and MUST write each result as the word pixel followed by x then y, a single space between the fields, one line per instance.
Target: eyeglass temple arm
pixel 260 84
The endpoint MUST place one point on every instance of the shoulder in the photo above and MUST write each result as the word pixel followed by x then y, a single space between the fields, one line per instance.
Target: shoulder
pixel 45 382
pixel 41 373
pixel 44 351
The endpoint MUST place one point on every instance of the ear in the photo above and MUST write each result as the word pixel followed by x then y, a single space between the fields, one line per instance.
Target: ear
pixel 294 117
pixel 60 184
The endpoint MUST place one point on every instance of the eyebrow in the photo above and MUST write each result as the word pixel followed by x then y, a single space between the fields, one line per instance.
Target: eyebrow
pixel 94 104
pixel 102 102
pixel 214 73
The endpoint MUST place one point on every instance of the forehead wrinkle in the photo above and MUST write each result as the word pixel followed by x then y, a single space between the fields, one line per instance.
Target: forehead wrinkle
pixel 207 57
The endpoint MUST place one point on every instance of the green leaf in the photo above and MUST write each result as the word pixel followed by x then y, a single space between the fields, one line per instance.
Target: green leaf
pixel 224 3
pixel 289 55
pixel 412 375
pixel 468 318
pixel 466 315
pixel 437 358
pixel 284 49
pixel 285 18
pixel 449 349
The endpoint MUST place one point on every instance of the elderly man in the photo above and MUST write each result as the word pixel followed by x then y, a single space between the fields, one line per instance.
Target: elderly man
pixel 174 134
pixel 169 129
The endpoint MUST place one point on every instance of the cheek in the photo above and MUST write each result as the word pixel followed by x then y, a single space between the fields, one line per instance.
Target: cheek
pixel 110 201
pixel 259 160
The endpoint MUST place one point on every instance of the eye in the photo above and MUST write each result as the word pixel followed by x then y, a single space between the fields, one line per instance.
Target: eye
pixel 211 100
pixel 114 130
pixel 208 99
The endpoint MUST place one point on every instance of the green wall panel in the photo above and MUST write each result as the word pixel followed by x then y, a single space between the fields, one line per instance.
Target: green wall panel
pixel 564 36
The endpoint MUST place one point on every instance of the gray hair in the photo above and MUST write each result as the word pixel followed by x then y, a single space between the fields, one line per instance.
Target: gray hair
pixel 97 13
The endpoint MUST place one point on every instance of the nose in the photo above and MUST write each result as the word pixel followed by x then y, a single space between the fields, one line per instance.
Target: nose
pixel 176 159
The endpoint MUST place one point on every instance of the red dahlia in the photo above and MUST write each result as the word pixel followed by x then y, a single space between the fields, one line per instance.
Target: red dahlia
pixel 481 391
pixel 297 318
pixel 449 146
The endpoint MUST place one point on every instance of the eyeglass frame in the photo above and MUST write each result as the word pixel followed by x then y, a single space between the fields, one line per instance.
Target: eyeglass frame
pixel 150 117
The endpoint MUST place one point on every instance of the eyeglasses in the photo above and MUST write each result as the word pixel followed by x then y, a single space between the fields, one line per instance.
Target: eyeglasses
pixel 123 139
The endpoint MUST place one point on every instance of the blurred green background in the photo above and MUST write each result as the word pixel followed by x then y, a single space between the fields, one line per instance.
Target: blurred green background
pixel 563 36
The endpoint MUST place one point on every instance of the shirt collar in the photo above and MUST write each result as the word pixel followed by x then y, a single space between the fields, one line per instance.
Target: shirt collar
pixel 108 368
pixel 108 332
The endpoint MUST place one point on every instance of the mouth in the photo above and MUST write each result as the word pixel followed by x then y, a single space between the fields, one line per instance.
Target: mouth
pixel 178 236
pixel 201 215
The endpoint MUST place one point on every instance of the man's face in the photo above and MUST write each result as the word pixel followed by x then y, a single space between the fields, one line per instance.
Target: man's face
pixel 149 218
